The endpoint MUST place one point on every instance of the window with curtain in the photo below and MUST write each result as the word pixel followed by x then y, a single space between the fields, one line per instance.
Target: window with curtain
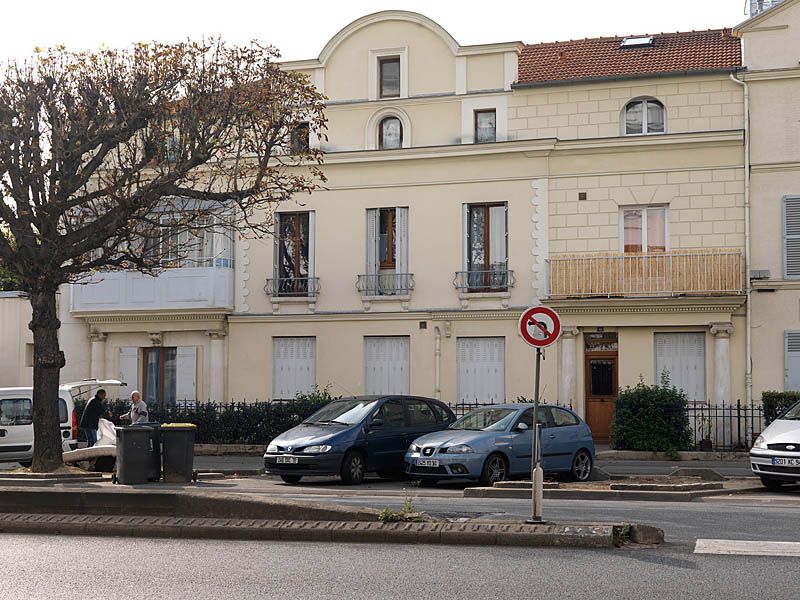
pixel 159 377
pixel 485 126
pixel 389 72
pixel 644 116
pixel 390 134
pixel 387 251
pixel 644 229
pixel 293 253
pixel 487 246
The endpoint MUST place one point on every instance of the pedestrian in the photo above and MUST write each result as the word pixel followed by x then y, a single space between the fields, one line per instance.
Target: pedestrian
pixel 95 409
pixel 138 411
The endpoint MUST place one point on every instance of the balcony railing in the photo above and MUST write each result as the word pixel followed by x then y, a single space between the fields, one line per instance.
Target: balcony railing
pixel 301 287
pixel 495 280
pixel 385 284
pixel 690 272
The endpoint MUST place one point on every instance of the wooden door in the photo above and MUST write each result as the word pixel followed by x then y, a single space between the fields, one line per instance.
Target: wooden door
pixel 601 393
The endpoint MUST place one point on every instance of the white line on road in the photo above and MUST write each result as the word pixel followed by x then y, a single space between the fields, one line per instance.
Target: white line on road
pixel 749 548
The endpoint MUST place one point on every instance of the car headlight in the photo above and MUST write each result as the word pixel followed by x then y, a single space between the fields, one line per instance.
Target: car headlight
pixel 272 448
pixel 316 449
pixel 414 448
pixel 460 449
pixel 760 443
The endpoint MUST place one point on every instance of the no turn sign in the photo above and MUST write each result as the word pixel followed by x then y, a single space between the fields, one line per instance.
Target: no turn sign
pixel 539 326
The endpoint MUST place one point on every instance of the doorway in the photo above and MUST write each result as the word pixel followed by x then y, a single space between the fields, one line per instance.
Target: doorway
pixel 601 355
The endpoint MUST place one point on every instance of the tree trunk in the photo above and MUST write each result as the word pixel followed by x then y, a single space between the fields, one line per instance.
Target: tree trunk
pixel 47 362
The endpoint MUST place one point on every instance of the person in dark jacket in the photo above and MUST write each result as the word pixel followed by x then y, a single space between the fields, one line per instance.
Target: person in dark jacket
pixel 95 409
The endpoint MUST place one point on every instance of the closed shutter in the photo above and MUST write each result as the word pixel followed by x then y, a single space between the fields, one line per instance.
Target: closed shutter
pixel 401 246
pixel 186 374
pixel 387 365
pixel 129 367
pixel 373 215
pixel 682 358
pixel 293 366
pixel 498 255
pixel 791 237
pixel 312 241
pixel 791 361
pixel 481 369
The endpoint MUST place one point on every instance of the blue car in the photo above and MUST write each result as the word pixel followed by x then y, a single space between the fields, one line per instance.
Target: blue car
pixel 351 436
pixel 494 444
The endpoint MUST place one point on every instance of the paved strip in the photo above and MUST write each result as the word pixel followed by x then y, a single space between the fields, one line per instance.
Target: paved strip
pixel 749 548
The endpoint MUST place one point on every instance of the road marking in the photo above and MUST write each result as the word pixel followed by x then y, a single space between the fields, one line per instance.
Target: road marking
pixel 749 548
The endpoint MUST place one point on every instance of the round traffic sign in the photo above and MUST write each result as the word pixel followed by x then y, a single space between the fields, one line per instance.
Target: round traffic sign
pixel 539 326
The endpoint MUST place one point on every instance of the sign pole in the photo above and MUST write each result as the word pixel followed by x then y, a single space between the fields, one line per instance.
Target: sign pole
pixel 537 475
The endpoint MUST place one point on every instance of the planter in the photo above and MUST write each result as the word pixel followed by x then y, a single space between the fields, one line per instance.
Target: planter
pixel 706 445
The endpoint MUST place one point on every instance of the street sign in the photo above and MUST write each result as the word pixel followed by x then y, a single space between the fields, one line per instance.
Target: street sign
pixel 539 326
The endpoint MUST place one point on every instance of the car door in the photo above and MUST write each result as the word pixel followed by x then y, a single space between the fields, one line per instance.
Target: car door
pixel 386 436
pixel 563 438
pixel 521 443
pixel 420 419
pixel 16 427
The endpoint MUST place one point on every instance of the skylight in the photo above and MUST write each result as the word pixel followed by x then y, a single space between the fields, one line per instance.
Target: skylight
pixel 637 42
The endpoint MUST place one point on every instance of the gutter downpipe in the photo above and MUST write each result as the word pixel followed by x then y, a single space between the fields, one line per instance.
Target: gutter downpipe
pixel 437 352
pixel 748 377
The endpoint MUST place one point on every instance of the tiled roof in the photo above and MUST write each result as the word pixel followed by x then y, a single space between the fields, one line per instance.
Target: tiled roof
pixel 602 57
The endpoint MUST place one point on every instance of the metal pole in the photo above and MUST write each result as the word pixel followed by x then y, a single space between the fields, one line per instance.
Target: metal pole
pixel 537 475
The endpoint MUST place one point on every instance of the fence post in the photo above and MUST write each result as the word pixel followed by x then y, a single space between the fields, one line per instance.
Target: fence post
pixel 738 421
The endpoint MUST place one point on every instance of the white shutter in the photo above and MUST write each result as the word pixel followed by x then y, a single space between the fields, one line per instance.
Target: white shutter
pixel 293 366
pixel 373 214
pixel 465 236
pixel 276 247
pixel 497 237
pixel 683 357
pixel 311 244
pixel 481 369
pixel 186 374
pixel 129 368
pixel 791 238
pixel 387 365
pixel 401 247
pixel 791 361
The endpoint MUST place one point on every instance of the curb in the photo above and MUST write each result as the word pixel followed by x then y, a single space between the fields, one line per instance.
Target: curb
pixel 634 495
pixel 483 534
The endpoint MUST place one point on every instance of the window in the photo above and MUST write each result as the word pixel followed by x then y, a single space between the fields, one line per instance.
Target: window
pixel 293 366
pixel 527 418
pixel 562 418
pixel 386 365
pixel 644 116
pixel 485 126
pixel 187 248
pixel 389 75
pixel 387 238
pixel 387 253
pixel 390 134
pixel 293 253
pixel 169 375
pixel 791 237
pixel 682 358
pixel 16 411
pixel 441 413
pixel 391 413
pixel 420 414
pixel 644 229
pixel 487 247
pixel 480 365
pixel 299 139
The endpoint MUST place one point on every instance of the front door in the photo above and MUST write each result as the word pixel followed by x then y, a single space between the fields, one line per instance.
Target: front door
pixel 600 371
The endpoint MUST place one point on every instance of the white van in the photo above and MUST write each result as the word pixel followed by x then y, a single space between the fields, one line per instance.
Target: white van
pixel 16 418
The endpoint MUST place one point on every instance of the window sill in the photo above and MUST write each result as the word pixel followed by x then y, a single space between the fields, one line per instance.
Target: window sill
pixel 465 297
pixel 403 299
pixel 276 301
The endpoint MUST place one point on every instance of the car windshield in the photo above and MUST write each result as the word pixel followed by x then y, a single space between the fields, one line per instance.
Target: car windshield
pixel 485 419
pixel 793 414
pixel 347 411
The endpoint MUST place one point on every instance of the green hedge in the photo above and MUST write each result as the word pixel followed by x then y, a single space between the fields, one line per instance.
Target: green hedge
pixel 231 422
pixel 775 403
pixel 652 418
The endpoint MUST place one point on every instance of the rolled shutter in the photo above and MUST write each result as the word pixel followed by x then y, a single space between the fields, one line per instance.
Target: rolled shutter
pixel 791 237
pixel 401 248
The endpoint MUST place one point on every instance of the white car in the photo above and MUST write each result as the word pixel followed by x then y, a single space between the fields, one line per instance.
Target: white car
pixel 775 455
pixel 16 418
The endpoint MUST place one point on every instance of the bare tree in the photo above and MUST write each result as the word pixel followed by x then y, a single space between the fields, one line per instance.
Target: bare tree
pixel 114 159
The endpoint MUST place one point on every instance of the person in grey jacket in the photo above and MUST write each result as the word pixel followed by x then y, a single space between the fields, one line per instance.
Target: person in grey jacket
pixel 138 411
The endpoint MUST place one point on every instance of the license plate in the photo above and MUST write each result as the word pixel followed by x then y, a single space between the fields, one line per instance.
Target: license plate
pixel 287 460
pixel 786 462
pixel 427 462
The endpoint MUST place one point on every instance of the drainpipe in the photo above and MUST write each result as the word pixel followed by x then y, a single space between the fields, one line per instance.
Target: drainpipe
pixel 748 377
pixel 437 352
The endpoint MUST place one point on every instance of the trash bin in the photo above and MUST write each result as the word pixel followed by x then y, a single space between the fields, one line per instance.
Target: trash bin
pixel 154 452
pixel 133 454
pixel 178 451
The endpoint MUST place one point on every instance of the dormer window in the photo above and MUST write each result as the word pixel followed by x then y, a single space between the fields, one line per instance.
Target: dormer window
pixel 389 77
pixel 485 126
pixel 390 134
pixel 644 117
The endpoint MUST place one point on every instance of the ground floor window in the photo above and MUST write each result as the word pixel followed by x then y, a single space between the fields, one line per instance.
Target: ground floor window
pixel 387 365
pixel 293 366
pixel 481 369
pixel 681 357
pixel 168 374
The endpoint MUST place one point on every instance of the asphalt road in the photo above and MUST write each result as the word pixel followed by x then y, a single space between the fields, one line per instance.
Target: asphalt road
pixel 107 569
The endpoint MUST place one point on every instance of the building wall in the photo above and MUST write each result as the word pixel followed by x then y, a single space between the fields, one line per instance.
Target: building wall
pixel 16 358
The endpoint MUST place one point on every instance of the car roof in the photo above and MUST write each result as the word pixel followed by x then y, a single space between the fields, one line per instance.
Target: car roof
pixel 516 405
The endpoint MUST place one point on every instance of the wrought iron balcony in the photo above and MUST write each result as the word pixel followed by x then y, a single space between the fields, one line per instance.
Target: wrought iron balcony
pixel 475 282
pixel 301 287
pixel 385 284
pixel 675 273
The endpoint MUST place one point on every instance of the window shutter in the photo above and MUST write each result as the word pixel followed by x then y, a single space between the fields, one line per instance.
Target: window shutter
pixel 791 238
pixel 373 214
pixel 683 357
pixel 401 247
pixel 465 236
pixel 293 366
pixel 186 374
pixel 129 367
pixel 276 249
pixel 791 361
pixel 311 244
pixel 497 237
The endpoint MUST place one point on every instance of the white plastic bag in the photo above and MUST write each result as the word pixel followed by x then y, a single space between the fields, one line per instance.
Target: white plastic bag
pixel 106 434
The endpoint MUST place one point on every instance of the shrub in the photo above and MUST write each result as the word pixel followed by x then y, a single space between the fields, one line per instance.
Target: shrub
pixel 774 403
pixel 652 418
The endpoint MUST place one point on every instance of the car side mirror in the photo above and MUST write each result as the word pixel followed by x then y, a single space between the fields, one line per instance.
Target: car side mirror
pixel 376 423
pixel 522 427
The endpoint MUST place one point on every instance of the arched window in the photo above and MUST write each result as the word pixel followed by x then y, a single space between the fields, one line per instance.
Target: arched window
pixel 644 116
pixel 390 134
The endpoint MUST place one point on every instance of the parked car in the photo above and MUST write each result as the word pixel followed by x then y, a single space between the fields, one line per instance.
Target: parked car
pixel 351 436
pixel 494 443
pixel 775 455
pixel 16 418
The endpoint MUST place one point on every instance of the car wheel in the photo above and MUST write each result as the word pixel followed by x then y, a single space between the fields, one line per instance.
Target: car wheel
pixel 771 484
pixel 495 469
pixel 26 463
pixel 581 466
pixel 292 478
pixel 354 467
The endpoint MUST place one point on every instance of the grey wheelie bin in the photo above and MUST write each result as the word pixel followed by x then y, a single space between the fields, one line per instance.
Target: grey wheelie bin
pixel 178 452
pixel 133 455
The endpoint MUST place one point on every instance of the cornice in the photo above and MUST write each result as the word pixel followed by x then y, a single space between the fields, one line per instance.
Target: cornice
pixel 150 317
pixel 776 284
pixel 726 304
pixel 652 142
pixel 770 74
pixel 444 315
pixel 775 167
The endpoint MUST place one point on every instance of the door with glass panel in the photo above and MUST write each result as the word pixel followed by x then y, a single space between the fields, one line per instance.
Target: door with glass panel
pixel 487 248
pixel 600 376
pixel 160 376
pixel 293 254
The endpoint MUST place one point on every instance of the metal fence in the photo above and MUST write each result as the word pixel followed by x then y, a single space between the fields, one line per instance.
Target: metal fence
pixel 725 427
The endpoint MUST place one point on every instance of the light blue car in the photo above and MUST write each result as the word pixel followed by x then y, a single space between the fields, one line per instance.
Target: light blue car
pixel 493 444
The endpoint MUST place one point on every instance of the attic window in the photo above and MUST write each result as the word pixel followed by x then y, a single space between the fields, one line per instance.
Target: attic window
pixel 637 42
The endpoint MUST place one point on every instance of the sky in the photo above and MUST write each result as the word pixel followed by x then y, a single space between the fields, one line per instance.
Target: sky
pixel 301 29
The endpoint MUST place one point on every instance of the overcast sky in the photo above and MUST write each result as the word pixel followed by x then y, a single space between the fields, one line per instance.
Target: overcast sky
pixel 301 29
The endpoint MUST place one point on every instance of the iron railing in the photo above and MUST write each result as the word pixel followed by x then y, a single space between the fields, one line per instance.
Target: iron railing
pixel 385 284
pixel 494 280
pixel 297 287
pixel 695 272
